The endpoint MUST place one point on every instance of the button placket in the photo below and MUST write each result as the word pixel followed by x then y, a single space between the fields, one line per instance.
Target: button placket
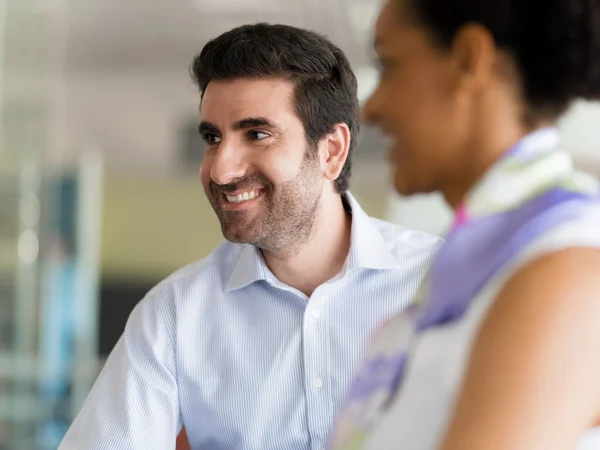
pixel 316 368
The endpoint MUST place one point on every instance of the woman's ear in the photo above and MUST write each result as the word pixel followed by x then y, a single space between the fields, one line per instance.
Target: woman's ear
pixel 474 55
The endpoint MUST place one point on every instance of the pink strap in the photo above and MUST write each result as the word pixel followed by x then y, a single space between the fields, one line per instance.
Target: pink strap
pixel 461 217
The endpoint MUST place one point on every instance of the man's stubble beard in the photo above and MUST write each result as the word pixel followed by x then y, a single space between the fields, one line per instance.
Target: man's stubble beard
pixel 287 216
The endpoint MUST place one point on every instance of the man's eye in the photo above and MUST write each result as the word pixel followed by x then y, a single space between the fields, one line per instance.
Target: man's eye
pixel 256 135
pixel 211 139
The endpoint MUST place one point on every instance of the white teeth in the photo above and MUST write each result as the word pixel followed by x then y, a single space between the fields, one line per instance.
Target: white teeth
pixel 242 197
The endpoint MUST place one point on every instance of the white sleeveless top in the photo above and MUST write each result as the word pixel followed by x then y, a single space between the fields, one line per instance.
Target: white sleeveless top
pixel 419 415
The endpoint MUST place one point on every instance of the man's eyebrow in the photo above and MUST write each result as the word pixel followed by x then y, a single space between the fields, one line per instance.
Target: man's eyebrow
pixel 253 122
pixel 250 122
pixel 207 127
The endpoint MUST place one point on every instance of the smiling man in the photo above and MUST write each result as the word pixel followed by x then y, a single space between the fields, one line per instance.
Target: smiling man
pixel 254 346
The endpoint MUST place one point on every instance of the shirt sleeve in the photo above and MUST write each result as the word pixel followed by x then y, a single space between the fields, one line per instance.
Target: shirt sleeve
pixel 134 403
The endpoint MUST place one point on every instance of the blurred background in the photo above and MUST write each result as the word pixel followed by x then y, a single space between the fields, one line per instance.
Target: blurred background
pixel 99 196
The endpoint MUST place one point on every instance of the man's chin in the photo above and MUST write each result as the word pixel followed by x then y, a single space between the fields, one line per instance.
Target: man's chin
pixel 238 235
pixel 235 239
pixel 236 226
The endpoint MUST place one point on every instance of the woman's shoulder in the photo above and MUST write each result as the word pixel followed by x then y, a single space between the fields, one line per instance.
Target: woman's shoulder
pixel 539 339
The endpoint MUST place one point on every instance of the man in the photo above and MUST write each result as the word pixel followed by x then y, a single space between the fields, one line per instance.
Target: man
pixel 254 347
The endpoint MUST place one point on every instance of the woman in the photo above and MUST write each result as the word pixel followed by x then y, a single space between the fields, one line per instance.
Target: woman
pixel 501 350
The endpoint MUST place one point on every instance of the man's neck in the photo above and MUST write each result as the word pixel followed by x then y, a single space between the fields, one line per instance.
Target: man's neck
pixel 319 259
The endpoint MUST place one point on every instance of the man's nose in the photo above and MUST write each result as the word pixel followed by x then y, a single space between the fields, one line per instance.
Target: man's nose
pixel 229 164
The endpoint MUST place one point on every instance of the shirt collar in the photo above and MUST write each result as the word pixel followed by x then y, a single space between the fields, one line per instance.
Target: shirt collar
pixel 368 250
pixel 249 267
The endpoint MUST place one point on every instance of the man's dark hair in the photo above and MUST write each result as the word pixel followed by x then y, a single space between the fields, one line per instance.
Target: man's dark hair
pixel 325 86
pixel 554 43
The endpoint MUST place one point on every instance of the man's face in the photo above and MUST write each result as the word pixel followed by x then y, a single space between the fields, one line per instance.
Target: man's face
pixel 258 172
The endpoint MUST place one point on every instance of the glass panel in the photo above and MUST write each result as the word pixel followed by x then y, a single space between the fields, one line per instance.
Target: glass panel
pixel 48 243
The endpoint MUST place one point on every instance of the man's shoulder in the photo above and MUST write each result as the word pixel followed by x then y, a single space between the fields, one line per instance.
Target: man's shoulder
pixel 399 237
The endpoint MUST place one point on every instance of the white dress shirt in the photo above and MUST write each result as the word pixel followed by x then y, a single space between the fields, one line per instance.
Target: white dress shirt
pixel 242 360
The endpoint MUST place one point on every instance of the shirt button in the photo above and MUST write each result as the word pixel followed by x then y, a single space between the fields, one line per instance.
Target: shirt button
pixel 317 383
pixel 315 313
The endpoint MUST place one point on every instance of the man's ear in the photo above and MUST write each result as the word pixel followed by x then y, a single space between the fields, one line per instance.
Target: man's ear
pixel 334 151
